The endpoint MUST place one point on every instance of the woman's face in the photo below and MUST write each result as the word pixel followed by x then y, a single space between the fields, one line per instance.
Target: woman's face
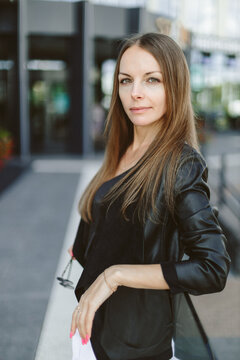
pixel 141 88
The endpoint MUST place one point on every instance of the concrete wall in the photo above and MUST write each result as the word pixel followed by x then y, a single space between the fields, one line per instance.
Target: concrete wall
pixel 109 21
pixel 56 18
pixel 52 18
pixel 147 21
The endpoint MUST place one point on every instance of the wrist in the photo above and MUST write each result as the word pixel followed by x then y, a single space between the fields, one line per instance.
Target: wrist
pixel 114 275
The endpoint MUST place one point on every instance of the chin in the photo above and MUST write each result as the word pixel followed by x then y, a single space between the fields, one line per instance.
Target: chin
pixel 142 122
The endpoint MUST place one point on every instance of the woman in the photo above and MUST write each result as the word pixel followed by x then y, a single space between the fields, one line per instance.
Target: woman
pixel 147 206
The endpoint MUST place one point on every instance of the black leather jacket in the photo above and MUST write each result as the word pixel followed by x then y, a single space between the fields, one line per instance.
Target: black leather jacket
pixel 142 322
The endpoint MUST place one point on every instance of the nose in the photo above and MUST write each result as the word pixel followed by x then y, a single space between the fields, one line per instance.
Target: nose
pixel 137 91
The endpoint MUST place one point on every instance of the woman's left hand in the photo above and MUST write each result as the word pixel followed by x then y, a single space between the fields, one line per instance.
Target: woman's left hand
pixel 90 301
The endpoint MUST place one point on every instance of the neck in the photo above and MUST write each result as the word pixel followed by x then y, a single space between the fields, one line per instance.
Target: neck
pixel 143 136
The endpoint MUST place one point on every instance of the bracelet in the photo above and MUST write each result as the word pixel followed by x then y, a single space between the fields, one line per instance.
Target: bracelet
pixel 112 289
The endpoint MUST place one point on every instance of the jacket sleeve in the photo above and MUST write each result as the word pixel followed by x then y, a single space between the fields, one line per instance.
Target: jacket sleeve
pixel 206 269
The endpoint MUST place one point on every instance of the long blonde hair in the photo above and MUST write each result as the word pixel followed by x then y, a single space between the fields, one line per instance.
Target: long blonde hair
pixel 140 185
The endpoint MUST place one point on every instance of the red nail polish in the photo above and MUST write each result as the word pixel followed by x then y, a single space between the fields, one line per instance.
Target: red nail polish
pixel 71 334
pixel 83 342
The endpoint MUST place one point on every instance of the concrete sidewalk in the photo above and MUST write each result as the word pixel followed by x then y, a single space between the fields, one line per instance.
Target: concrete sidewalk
pixel 35 212
pixel 219 314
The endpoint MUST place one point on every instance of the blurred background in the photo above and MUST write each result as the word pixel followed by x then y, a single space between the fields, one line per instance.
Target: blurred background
pixel 56 68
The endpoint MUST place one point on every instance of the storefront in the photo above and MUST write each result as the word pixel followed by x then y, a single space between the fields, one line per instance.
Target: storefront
pixel 56 67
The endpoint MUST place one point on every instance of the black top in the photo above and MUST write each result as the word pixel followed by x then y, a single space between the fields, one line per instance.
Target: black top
pixel 102 251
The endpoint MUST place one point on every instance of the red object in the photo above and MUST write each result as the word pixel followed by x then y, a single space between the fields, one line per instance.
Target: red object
pixel 6 147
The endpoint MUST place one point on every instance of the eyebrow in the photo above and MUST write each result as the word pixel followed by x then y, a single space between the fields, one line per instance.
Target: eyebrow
pixel 148 73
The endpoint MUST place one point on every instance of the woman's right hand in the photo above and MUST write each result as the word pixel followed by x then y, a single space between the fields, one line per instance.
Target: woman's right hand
pixel 70 251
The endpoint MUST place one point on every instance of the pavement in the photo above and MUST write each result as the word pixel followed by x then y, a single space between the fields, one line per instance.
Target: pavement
pixel 38 222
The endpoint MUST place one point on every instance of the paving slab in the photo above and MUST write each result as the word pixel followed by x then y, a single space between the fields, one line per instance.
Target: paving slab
pixel 219 314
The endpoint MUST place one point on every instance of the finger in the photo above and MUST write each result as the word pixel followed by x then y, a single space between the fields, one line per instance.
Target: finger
pixel 73 324
pixel 87 318
pixel 89 323
pixel 81 316
pixel 70 251
pixel 71 254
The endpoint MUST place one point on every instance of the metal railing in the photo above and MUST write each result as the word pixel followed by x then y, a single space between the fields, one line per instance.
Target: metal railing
pixel 228 202
pixel 228 194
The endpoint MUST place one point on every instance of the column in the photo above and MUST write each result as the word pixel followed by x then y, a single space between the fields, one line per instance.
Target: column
pixel 23 80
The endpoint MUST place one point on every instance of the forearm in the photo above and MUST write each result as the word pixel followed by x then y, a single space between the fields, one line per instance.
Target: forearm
pixel 138 276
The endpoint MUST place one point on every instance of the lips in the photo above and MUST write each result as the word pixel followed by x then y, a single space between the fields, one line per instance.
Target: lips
pixel 139 109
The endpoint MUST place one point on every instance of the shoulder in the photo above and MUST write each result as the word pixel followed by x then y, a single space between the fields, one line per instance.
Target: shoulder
pixel 192 169
pixel 190 153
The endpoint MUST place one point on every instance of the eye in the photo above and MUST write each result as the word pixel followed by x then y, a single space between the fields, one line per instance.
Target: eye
pixel 125 81
pixel 152 80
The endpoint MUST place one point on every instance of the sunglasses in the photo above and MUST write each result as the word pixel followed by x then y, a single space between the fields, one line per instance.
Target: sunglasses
pixel 65 281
